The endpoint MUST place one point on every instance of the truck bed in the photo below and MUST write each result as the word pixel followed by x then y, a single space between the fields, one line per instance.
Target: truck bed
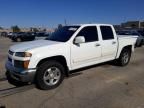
pixel 125 40
pixel 126 36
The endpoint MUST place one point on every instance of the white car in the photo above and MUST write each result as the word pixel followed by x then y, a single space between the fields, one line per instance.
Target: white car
pixel 46 62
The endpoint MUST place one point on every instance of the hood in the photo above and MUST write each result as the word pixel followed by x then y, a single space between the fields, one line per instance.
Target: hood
pixel 22 47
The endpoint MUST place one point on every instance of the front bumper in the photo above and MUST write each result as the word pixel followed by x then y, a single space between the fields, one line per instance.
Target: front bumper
pixel 20 74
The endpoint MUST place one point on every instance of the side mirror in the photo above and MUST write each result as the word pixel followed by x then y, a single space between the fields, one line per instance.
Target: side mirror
pixel 79 39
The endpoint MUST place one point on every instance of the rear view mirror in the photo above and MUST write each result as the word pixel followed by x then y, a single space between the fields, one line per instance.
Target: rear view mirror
pixel 79 39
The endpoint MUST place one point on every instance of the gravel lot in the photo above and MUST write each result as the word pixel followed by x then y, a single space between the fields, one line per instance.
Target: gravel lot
pixel 100 86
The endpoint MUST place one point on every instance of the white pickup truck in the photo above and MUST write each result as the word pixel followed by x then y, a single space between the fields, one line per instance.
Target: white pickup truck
pixel 46 62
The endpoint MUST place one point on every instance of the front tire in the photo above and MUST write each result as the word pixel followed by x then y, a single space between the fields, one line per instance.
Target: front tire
pixel 49 75
pixel 124 57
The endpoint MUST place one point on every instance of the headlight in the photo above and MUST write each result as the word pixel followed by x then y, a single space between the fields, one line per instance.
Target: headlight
pixel 23 54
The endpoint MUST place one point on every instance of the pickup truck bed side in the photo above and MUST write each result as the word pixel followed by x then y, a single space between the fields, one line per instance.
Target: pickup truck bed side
pixel 123 41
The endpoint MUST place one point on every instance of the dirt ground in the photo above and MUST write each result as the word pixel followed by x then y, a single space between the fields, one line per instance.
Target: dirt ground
pixel 99 86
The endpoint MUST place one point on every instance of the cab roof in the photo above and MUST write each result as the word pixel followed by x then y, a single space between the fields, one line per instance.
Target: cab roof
pixel 91 24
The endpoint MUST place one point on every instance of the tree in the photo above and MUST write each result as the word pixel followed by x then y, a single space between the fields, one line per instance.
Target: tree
pixel 1 28
pixel 60 26
pixel 44 30
pixel 15 28
pixel 34 29
pixel 31 29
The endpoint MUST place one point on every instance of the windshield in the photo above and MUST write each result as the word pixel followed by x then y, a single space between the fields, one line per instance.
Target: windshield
pixel 63 34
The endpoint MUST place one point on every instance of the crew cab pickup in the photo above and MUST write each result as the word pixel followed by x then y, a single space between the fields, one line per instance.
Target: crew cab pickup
pixel 47 62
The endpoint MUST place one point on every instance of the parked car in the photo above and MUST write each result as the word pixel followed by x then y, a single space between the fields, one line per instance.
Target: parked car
pixel 141 32
pixel 140 39
pixel 3 34
pixel 23 36
pixel 10 34
pixel 41 35
pixel 46 62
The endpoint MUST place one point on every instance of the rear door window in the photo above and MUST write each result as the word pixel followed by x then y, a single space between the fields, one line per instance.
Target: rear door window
pixel 107 32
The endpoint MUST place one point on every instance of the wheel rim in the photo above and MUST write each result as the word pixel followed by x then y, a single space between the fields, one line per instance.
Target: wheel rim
pixel 125 58
pixel 52 76
pixel 18 39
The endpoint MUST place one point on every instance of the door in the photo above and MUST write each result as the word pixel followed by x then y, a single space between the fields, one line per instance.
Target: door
pixel 109 42
pixel 41 36
pixel 87 52
pixel 27 37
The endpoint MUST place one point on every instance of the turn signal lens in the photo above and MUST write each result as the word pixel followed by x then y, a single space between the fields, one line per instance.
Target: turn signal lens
pixel 26 63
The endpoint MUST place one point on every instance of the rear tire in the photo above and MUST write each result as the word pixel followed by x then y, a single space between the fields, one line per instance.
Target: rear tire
pixel 141 44
pixel 124 57
pixel 49 75
pixel 13 81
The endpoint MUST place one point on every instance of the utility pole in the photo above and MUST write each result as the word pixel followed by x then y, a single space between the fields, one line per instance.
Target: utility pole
pixel 65 22
pixel 139 24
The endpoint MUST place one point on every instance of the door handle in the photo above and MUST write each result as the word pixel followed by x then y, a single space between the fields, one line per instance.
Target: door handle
pixel 97 45
pixel 113 42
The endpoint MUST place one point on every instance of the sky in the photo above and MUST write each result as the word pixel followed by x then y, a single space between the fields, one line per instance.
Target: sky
pixel 50 13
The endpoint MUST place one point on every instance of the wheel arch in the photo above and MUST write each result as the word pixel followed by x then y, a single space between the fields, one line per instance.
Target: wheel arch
pixel 61 59
pixel 130 47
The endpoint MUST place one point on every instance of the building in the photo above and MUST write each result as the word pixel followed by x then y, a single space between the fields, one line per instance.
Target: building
pixel 130 25
pixel 142 24
pixel 27 30
pixel 133 24
pixel 5 30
